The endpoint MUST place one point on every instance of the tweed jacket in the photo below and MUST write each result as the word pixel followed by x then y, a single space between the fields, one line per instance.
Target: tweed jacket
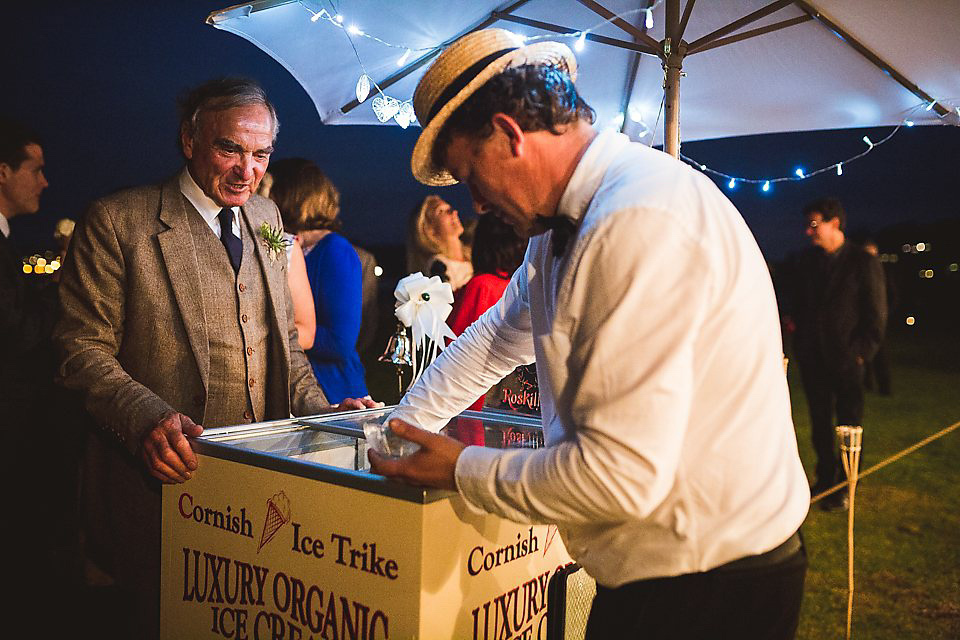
pixel 133 334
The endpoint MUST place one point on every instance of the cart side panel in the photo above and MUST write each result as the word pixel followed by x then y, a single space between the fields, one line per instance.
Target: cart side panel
pixel 485 577
pixel 255 553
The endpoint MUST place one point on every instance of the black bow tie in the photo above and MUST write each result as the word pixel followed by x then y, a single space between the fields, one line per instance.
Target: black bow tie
pixel 562 229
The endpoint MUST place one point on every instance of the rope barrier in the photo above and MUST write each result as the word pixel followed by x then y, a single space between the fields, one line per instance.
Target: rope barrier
pixel 890 460
pixel 850 456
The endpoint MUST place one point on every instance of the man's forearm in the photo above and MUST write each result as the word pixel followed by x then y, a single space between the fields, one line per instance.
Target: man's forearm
pixel 119 403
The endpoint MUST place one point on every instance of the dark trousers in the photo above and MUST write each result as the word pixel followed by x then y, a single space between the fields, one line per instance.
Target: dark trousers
pixel 757 604
pixel 834 398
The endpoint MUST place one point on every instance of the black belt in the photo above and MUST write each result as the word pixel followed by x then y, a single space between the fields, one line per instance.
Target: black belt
pixel 792 546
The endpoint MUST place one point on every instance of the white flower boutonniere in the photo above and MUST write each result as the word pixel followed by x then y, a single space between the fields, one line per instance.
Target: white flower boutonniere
pixel 274 240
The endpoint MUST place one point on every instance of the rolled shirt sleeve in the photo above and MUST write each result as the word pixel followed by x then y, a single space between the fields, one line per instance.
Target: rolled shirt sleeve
pixel 633 315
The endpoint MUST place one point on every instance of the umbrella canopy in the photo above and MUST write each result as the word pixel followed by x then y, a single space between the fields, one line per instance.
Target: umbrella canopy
pixel 750 66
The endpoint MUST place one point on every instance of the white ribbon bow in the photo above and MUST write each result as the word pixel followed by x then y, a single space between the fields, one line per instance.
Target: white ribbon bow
pixel 424 304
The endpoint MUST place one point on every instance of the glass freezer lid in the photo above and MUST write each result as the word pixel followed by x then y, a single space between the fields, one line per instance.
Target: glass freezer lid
pixel 337 439
pixel 332 447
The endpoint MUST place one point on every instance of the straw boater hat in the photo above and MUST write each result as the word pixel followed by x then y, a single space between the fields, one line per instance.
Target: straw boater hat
pixel 459 71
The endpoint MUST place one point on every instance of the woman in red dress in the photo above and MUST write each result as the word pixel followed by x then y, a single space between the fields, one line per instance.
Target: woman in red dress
pixel 497 253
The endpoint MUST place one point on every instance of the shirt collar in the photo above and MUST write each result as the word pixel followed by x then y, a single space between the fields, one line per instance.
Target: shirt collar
pixel 586 178
pixel 4 225
pixel 208 209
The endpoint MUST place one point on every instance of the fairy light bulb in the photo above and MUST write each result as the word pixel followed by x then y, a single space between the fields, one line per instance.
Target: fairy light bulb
pixel 731 184
pixel 799 172
pixel 581 42
pixel 766 186
pixel 868 142
pixel 839 168
pixel 648 23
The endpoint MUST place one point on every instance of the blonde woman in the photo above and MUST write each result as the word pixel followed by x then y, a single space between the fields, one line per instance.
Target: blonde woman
pixel 434 246
pixel 309 204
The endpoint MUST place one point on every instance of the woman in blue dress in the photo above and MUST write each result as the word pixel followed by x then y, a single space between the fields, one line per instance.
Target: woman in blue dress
pixel 309 204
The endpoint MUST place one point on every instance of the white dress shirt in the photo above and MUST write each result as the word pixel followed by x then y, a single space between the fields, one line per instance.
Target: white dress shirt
pixel 670 447
pixel 4 225
pixel 208 209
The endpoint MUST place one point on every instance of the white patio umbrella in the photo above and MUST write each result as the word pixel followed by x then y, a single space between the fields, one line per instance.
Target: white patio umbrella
pixel 702 70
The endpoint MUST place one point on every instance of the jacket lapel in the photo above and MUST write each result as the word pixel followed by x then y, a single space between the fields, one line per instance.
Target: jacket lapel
pixel 273 267
pixel 183 268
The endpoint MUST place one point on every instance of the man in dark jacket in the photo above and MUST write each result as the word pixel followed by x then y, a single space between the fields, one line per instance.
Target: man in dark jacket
pixel 33 409
pixel 27 312
pixel 840 311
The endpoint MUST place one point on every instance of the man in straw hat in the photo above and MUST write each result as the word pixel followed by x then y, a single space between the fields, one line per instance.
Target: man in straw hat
pixel 670 464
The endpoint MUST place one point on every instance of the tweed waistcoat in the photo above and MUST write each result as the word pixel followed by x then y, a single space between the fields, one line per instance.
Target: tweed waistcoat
pixel 238 328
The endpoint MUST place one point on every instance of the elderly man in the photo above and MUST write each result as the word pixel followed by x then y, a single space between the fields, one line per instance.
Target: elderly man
pixel 176 313
pixel 670 465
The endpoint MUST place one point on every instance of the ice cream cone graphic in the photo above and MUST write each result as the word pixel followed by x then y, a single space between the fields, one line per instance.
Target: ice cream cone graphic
pixel 278 513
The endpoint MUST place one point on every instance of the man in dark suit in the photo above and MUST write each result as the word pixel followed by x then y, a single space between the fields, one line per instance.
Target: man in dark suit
pixel 840 311
pixel 27 312
pixel 44 508
pixel 176 313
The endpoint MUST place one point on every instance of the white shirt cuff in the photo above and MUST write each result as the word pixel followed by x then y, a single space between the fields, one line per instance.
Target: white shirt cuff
pixel 475 467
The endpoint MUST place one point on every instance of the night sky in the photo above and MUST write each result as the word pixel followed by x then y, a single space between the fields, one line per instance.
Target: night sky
pixel 99 82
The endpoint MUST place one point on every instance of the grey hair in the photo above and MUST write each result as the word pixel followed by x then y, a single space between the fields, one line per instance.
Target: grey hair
pixel 220 94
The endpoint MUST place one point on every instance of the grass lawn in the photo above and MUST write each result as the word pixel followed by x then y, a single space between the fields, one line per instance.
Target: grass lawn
pixel 907 528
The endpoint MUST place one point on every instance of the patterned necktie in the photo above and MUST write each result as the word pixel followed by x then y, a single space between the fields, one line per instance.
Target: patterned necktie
pixel 232 243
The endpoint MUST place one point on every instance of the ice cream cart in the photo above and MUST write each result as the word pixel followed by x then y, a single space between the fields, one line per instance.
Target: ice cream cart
pixel 283 533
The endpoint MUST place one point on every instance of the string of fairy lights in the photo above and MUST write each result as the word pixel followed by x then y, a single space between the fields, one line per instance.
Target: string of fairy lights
pixel 386 107
pixel 732 182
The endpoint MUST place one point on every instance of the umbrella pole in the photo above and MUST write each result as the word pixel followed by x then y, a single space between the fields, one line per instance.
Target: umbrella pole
pixel 674 50
pixel 671 123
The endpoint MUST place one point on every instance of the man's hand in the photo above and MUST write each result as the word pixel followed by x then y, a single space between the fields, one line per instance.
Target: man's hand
pixel 433 465
pixel 357 403
pixel 165 449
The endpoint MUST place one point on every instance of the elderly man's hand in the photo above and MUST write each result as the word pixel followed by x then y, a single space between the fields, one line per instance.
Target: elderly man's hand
pixel 433 465
pixel 357 403
pixel 165 449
